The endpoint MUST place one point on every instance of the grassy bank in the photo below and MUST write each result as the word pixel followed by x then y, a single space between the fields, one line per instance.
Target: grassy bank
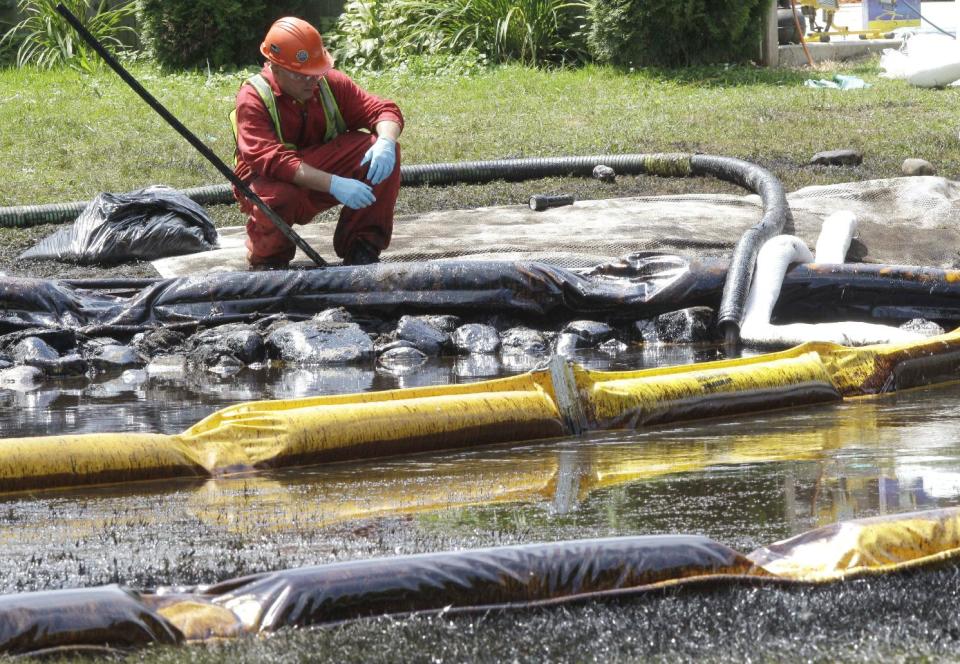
pixel 68 136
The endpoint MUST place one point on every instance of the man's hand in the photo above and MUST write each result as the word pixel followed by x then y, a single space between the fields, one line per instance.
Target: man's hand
pixel 352 193
pixel 382 156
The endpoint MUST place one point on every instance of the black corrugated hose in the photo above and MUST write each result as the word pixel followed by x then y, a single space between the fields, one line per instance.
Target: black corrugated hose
pixel 756 179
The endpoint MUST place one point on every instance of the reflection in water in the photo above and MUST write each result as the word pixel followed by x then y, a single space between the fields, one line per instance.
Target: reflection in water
pixel 477 366
pixel 166 397
pixel 747 482
pixel 297 383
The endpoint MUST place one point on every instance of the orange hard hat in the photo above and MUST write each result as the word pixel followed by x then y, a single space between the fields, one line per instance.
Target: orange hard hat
pixel 294 44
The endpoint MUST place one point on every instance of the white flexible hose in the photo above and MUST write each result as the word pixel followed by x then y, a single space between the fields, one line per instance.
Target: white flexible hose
pixel 836 233
pixel 774 258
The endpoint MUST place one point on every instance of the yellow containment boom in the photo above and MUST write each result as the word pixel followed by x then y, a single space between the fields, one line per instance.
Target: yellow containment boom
pixel 339 591
pixel 477 580
pixel 562 400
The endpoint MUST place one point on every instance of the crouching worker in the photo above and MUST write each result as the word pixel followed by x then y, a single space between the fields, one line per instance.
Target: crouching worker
pixel 300 148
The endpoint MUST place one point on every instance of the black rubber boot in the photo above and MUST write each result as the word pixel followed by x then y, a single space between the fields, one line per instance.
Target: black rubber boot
pixel 362 253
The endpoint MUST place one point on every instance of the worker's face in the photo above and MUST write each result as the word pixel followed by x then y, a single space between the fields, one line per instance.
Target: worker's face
pixel 299 86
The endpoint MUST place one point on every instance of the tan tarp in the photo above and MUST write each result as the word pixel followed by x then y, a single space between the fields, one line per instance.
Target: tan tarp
pixel 905 221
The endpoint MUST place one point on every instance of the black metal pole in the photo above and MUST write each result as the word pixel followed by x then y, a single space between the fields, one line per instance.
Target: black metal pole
pixel 225 170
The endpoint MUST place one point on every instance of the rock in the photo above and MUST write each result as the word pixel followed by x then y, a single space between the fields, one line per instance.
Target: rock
pixel 402 361
pixel 235 344
pixel 97 342
pixel 226 366
pixel 604 173
pixel 837 158
pixel 312 342
pixel 914 167
pixel 20 378
pixel 114 356
pixel 423 334
pixel 922 326
pixel 591 332
pixel 444 323
pixel 134 377
pixel 684 326
pixel 402 356
pixel 33 351
pixel 336 315
pixel 61 340
pixel 5 362
pixel 524 340
pixel 476 338
pixel 37 353
pixel 68 365
pixel 268 324
pixel 384 345
pixel 154 342
pixel 646 331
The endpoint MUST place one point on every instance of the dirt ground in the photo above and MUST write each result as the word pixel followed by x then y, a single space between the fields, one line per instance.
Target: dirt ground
pixel 424 199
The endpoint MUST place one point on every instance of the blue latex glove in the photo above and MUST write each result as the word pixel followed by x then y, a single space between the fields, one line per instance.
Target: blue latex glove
pixel 382 156
pixel 352 193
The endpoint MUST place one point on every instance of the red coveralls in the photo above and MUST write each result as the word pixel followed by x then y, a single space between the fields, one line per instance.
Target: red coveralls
pixel 268 167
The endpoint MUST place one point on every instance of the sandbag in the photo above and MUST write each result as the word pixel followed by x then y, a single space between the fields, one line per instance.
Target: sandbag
pixel 926 61
pixel 142 225
pixel 80 620
pixel 521 575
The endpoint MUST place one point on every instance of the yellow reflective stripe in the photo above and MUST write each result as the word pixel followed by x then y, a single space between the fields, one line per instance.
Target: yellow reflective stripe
pixel 336 125
pixel 263 89
pixel 331 112
pixel 236 137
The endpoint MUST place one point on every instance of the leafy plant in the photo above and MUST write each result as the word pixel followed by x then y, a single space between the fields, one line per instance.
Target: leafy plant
pixel 533 32
pixel 49 41
pixel 675 32
pixel 369 34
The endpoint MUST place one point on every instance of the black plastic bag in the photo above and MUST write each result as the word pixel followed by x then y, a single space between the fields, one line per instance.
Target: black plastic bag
pixel 142 225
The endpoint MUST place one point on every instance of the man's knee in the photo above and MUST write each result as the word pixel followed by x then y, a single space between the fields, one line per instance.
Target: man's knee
pixel 284 198
pixel 345 148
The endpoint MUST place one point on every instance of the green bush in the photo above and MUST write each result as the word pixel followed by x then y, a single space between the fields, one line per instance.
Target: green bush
pixel 675 32
pixel 45 39
pixel 369 35
pixel 385 33
pixel 533 32
pixel 183 34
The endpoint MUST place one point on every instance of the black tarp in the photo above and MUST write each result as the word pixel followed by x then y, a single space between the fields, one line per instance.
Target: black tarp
pixel 142 225
pixel 637 287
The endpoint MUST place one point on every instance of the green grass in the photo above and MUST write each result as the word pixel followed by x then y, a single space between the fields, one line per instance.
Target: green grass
pixel 67 136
